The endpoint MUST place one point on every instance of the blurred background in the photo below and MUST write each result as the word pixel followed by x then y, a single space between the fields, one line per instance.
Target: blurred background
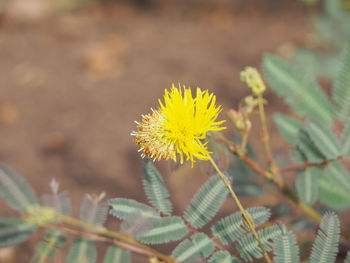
pixel 75 74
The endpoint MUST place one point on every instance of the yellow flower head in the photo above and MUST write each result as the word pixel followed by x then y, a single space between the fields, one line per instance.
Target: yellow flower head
pixel 179 126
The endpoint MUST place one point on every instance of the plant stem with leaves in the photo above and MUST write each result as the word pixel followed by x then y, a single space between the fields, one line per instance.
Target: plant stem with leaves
pixel 246 217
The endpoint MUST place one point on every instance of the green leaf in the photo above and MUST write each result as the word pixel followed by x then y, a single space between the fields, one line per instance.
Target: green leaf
pixel 324 139
pixel 248 246
pixel 345 140
pixel 285 248
pixel 317 64
pixel 341 89
pixel 123 208
pixel 199 247
pixel 82 251
pixel 53 239
pixel 165 230
pixel 15 190
pixel 14 231
pixel 92 211
pixel 347 259
pixel 307 185
pixel 206 202
pixel 335 186
pixel 332 197
pixel 335 173
pixel 231 228
pixel 155 189
pixel 302 93
pixel 298 156
pixel 288 127
pixel 117 255
pixel 309 149
pixel 325 247
pixel 223 257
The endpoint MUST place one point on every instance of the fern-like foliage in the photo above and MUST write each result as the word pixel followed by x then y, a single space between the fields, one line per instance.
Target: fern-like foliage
pixel 248 246
pixel 301 92
pixel 307 185
pixel 83 250
pixel 309 149
pixel 288 127
pixel 93 211
pixel 325 247
pixel 345 140
pixel 117 255
pixel 341 89
pixel 285 248
pixel 232 227
pixel 323 138
pixel 155 189
pixel 206 202
pixel 165 230
pixel 53 239
pixel 14 230
pixel 334 186
pixel 223 257
pixel 15 190
pixel 199 247
pixel 347 259
pixel 123 208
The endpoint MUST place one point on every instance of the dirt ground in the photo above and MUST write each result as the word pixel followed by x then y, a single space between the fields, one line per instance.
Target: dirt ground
pixel 73 84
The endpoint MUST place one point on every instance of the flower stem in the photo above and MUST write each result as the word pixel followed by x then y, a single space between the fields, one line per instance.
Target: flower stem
pixel 266 136
pixel 246 217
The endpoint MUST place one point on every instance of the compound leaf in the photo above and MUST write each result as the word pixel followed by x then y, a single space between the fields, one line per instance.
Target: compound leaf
pixel 248 246
pixel 206 202
pixel 117 255
pixel 341 89
pixel 15 190
pixel 82 251
pixel 307 185
pixel 325 247
pixel 301 92
pixel 285 248
pixel 155 189
pixel 288 127
pixel 165 230
pixel 232 227
pixel 123 208
pixel 14 231
pixel 199 247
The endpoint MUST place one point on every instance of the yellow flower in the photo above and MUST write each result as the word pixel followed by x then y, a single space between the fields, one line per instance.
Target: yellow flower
pixel 179 126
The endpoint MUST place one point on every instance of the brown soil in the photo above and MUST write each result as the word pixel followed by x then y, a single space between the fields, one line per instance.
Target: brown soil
pixel 73 84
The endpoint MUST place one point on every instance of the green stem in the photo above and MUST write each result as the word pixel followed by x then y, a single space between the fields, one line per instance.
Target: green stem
pixel 247 218
pixel 266 136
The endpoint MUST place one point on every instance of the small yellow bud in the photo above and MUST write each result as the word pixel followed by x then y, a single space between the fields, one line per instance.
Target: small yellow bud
pixel 239 120
pixel 39 215
pixel 253 79
pixel 250 103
